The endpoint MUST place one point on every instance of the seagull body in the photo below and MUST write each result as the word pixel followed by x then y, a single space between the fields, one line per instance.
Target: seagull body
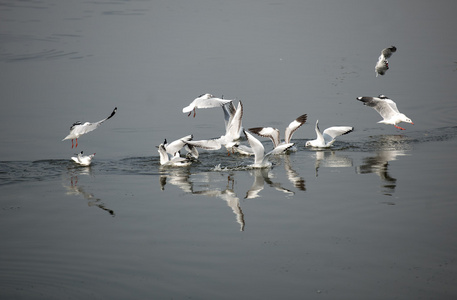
pixel 260 158
pixel 174 147
pixel 274 135
pixel 204 101
pixel 327 138
pixel 231 137
pixel 387 109
pixel 78 128
pixel 173 161
pixel 84 160
pixel 383 64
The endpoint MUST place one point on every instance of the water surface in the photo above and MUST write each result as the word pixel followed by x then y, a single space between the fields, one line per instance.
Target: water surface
pixel 373 217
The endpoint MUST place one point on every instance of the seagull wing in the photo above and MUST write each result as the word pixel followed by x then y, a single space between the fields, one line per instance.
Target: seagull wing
pixel 293 126
pixel 269 132
pixel 88 127
pixel 382 106
pixel 257 147
pixel 332 132
pixel 175 146
pixel 206 144
pixel 234 126
pixel 320 137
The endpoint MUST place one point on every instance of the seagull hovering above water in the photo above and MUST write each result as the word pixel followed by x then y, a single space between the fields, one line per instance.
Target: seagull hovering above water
pixel 327 138
pixel 383 64
pixel 387 109
pixel 274 135
pixel 78 129
pixel 204 101
pixel 84 160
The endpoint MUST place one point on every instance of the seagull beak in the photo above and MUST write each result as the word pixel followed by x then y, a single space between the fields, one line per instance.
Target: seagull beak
pixel 412 123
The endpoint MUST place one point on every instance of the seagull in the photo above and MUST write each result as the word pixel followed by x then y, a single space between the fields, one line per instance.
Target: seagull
pixel 327 138
pixel 175 146
pixel 174 161
pixel 204 101
pixel 387 109
pixel 78 129
pixel 274 135
pixel 260 158
pixel 231 137
pixel 383 64
pixel 84 160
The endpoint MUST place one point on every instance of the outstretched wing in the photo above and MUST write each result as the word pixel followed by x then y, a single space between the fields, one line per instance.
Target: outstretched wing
pixel 293 126
pixel 332 132
pixel 206 144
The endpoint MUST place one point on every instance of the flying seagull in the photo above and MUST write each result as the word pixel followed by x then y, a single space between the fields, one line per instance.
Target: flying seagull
pixel 387 109
pixel 383 64
pixel 78 128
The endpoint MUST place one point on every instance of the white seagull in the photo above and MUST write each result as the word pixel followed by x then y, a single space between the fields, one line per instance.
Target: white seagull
pixel 387 109
pixel 383 64
pixel 204 101
pixel 274 135
pixel 327 138
pixel 84 160
pixel 174 161
pixel 78 129
pixel 231 137
pixel 260 158
pixel 175 146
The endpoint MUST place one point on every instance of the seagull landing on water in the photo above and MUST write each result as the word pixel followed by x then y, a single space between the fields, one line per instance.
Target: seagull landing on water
pixel 260 158
pixel 84 160
pixel 231 137
pixel 78 129
pixel 204 101
pixel 273 134
pixel 327 138
pixel 387 109
pixel 383 64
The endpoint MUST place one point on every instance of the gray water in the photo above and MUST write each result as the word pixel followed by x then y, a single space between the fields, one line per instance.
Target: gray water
pixel 371 218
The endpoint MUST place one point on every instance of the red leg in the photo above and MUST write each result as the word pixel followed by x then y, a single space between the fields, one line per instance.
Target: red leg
pixel 72 144
pixel 189 113
pixel 194 112
pixel 76 143
pixel 399 127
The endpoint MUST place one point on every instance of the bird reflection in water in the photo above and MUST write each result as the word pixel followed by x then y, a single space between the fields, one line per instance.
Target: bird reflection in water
pixel 230 197
pixel 331 159
pixel 176 176
pixel 292 175
pixel 76 190
pixel 262 176
pixel 379 165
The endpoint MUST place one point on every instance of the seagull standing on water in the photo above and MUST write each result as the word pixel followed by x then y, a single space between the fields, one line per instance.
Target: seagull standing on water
pixel 204 101
pixel 383 64
pixel 84 160
pixel 387 109
pixel 78 129
pixel 273 134
pixel 327 138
